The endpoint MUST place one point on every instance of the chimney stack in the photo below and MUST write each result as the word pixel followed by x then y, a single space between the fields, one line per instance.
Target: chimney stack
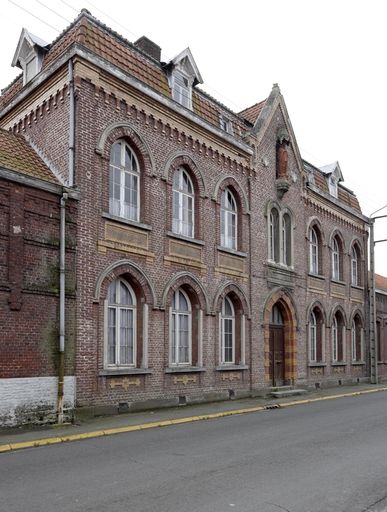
pixel 149 47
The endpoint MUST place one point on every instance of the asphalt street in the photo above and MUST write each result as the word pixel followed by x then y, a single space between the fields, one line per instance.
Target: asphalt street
pixel 320 457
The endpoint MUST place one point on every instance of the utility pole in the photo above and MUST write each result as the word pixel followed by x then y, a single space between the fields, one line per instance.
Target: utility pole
pixel 372 299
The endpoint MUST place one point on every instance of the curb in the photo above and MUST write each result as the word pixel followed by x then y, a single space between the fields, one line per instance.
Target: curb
pixel 178 421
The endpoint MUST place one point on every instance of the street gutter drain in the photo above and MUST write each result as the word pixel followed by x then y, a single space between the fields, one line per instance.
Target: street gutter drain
pixel 272 406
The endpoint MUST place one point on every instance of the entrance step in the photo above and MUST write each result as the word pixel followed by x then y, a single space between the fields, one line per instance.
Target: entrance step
pixel 283 393
pixel 280 388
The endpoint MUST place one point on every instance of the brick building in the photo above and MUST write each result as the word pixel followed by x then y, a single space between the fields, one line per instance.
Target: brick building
pixel 381 324
pixel 211 260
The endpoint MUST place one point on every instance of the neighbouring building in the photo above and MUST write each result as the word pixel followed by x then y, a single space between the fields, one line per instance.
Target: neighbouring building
pixel 205 259
pixel 381 324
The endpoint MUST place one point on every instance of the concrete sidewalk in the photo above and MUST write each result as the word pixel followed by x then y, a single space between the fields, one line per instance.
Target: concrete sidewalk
pixel 26 437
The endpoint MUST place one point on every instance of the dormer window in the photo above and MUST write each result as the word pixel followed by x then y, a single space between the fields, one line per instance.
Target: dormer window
pixel 332 186
pixel 29 55
pixel 183 76
pixel 182 89
pixel 225 124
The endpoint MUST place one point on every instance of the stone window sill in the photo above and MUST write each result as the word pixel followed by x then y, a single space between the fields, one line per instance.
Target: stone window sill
pixel 339 363
pixel 185 369
pixel 317 276
pixel 317 365
pixel 231 367
pixel 280 266
pixel 357 287
pixel 185 238
pixel 124 371
pixel 357 363
pixel 232 251
pixel 338 281
pixel 128 222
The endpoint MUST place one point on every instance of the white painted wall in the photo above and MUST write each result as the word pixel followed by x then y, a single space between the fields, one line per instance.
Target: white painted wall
pixel 28 400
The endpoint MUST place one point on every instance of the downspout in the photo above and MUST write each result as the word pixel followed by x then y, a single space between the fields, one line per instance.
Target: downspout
pixel 62 246
pixel 62 284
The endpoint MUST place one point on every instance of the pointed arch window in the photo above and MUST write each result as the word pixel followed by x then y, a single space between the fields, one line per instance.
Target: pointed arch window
pixel 121 325
pixel 181 329
pixel 183 204
pixel 316 330
pixel 313 251
pixel 228 332
pixel 337 333
pixel 335 258
pixel 228 220
pixel 274 235
pixel 286 247
pixel 124 182
pixel 356 266
pixel 357 339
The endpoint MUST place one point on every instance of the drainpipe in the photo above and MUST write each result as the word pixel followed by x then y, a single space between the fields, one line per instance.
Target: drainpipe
pixel 71 123
pixel 62 268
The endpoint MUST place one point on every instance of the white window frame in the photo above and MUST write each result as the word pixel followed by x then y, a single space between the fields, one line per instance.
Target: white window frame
pixel 335 259
pixel 335 339
pixel 353 343
pixel 175 316
pixel 312 338
pixel 354 267
pixel 285 236
pixel 333 188
pixel 119 207
pixel 178 224
pixel 226 216
pixel 224 319
pixel 272 235
pixel 118 307
pixel 313 251
pixel 225 124
pixel 182 93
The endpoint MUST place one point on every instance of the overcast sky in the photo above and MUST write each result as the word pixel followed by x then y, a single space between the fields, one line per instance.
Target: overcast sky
pixel 329 59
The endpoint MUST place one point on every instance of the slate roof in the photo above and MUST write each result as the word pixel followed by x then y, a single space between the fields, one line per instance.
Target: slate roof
pixel 17 155
pixel 104 42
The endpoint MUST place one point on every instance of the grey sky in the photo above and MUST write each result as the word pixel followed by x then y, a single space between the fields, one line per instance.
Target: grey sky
pixel 328 58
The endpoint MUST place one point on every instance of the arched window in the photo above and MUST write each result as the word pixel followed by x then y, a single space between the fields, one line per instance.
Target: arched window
pixel 357 339
pixel 286 246
pixel 181 329
pixel 316 333
pixel 183 204
pixel 337 333
pixel 124 182
pixel 274 236
pixel 335 259
pixel 228 332
pixel 355 266
pixel 314 262
pixel 228 220
pixel 121 325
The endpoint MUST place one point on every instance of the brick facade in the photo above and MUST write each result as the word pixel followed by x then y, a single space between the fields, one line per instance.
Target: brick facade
pixel 156 262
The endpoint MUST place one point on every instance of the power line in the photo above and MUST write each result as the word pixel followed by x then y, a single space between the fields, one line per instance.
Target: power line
pixel 33 15
pixel 68 5
pixel 52 10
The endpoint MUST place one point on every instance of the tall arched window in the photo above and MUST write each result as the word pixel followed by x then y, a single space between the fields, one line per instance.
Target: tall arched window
pixel 355 266
pixel 313 251
pixel 316 335
pixel 357 339
pixel 228 220
pixel 286 246
pixel 124 182
pixel 336 258
pixel 337 334
pixel 274 236
pixel 183 203
pixel 121 343
pixel 228 332
pixel 181 329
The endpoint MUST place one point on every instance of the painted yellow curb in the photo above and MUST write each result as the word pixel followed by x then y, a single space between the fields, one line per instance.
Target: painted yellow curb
pixel 177 421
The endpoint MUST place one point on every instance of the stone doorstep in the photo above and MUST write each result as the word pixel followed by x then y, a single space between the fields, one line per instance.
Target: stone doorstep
pixel 282 393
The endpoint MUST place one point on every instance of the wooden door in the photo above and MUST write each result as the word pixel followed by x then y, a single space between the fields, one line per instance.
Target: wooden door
pixel 277 355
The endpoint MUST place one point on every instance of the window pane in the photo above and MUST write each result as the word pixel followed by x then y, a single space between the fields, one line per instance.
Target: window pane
pixel 173 340
pixel 115 155
pixel 112 299
pixel 183 339
pixel 125 295
pixel 227 307
pixel 183 304
pixel 126 336
pixel 228 340
pixel 111 355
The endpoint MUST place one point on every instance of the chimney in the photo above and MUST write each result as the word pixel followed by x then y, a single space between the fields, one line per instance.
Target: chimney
pixel 149 47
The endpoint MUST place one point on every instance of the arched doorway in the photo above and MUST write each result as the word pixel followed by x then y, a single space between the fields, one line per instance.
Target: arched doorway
pixel 280 339
pixel 276 346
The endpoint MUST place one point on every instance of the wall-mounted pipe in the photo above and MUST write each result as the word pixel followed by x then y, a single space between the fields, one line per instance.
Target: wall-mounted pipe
pixel 62 285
